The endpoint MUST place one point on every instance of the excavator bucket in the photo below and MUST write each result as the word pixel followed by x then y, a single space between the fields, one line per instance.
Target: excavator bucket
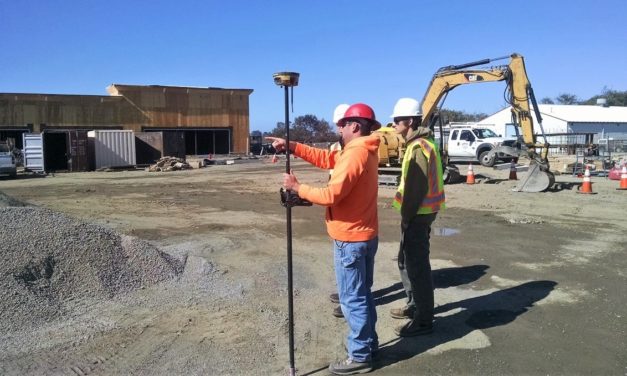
pixel 451 175
pixel 536 179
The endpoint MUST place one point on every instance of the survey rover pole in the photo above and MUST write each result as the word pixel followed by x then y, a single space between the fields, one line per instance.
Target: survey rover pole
pixel 287 80
pixel 288 213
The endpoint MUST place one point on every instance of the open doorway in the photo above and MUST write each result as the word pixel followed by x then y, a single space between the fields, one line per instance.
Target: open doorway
pixel 55 151
pixel 15 135
pixel 198 141
pixel 202 141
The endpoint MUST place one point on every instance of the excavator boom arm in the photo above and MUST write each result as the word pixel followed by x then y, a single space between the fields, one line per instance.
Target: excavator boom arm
pixel 447 80
pixel 519 96
pixel 519 92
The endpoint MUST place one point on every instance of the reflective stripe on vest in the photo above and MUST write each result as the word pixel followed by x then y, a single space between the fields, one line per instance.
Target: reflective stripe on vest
pixel 434 200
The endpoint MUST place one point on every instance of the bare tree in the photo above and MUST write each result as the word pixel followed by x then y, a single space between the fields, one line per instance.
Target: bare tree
pixel 546 100
pixel 307 128
pixel 566 98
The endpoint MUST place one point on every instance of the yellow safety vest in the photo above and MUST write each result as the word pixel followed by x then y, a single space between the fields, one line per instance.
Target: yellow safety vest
pixel 434 200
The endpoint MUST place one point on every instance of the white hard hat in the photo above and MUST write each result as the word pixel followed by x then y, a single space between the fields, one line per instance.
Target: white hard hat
pixel 339 112
pixel 406 107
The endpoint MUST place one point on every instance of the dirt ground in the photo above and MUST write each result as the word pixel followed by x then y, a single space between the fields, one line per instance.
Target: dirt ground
pixel 526 283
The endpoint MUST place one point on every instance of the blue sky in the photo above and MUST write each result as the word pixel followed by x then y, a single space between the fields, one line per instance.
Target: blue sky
pixel 346 51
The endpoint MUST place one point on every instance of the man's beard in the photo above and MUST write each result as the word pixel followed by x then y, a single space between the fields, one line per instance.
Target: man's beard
pixel 341 141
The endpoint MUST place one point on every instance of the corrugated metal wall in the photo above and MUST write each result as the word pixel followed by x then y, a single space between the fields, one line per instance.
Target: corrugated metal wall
pixel 33 152
pixel 113 148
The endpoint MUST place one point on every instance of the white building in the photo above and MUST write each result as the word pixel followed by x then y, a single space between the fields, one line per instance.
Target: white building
pixel 605 122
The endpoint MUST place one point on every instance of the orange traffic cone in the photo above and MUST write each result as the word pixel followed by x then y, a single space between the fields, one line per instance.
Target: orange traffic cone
pixel 470 177
pixel 275 159
pixel 512 170
pixel 623 179
pixel 586 186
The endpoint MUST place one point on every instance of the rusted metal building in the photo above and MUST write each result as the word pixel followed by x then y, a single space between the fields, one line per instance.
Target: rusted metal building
pixel 208 120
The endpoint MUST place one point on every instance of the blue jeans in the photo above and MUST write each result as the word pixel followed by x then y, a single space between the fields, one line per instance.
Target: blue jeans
pixel 354 273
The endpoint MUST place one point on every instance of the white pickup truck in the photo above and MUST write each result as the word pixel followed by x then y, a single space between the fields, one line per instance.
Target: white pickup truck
pixel 7 161
pixel 461 143
pixel 473 143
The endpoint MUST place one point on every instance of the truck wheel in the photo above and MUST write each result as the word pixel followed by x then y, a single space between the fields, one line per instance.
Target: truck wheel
pixel 485 161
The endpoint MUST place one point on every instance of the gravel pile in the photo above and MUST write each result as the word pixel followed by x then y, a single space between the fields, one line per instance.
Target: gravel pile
pixel 50 261
pixel 8 201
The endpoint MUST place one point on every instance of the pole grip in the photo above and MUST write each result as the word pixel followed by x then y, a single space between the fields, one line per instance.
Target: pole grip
pixel 287 131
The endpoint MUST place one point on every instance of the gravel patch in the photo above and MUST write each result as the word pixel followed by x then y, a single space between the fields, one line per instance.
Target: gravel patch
pixel 50 260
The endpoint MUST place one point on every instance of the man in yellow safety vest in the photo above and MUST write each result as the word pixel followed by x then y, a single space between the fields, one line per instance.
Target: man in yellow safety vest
pixel 419 197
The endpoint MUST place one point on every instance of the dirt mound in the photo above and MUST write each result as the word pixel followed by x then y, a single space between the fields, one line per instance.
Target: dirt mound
pixel 50 261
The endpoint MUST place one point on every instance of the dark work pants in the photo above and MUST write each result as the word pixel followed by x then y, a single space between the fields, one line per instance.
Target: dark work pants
pixel 415 267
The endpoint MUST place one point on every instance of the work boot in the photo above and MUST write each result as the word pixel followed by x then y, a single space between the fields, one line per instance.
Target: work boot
pixel 413 328
pixel 350 367
pixel 335 298
pixel 337 312
pixel 406 312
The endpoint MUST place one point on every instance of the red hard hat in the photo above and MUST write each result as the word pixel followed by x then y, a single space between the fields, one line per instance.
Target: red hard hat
pixel 362 111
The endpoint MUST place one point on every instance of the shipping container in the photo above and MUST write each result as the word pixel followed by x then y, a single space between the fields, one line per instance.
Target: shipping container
pixel 33 152
pixel 78 151
pixel 150 146
pixel 65 150
pixel 56 150
pixel 114 148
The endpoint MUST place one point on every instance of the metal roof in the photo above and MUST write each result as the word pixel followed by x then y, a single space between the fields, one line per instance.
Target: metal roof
pixel 585 114
pixel 175 88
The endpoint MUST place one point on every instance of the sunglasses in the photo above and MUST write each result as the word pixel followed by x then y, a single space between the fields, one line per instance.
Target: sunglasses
pixel 397 120
pixel 342 125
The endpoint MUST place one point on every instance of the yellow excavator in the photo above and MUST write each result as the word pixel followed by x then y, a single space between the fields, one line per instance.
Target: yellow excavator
pixel 519 94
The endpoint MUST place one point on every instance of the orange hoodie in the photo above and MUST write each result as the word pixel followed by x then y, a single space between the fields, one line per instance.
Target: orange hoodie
pixel 351 194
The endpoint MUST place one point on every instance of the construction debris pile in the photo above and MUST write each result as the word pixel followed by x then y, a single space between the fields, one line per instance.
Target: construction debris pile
pixel 51 261
pixel 169 164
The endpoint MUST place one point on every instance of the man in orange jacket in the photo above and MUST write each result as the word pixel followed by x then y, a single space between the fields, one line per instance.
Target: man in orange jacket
pixel 351 217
